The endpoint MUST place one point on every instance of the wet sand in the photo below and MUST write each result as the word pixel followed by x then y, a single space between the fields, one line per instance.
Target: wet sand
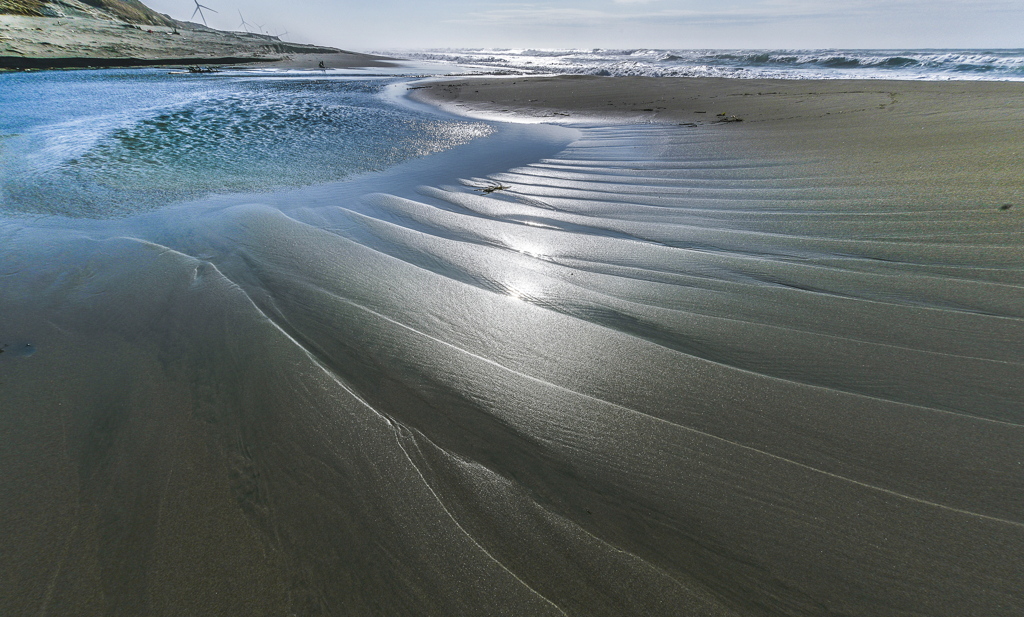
pixel 769 367
pixel 913 141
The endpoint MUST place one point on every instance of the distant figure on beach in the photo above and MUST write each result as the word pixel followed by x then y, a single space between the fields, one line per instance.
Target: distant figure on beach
pixel 322 64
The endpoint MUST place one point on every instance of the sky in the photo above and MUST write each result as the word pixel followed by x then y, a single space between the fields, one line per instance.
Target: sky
pixel 379 25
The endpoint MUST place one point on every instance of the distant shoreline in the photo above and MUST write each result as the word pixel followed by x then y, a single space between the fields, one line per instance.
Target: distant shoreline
pixel 331 60
pixel 21 64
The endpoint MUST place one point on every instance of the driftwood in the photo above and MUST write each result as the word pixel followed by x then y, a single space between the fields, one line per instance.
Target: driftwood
pixel 491 188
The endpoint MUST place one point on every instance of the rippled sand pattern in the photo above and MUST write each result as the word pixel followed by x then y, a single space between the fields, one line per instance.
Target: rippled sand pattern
pixel 653 375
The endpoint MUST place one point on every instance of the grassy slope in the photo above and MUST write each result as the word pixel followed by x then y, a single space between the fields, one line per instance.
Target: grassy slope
pixel 131 11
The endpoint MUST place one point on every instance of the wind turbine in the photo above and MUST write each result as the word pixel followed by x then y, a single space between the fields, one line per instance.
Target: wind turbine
pixel 245 25
pixel 199 9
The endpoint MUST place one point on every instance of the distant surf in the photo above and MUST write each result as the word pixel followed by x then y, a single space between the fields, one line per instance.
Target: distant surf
pixel 933 64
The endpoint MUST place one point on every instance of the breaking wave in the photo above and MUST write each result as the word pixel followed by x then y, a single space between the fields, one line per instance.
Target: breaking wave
pixel 788 64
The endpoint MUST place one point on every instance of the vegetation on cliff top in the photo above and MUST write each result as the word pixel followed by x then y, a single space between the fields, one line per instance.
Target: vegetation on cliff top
pixel 131 11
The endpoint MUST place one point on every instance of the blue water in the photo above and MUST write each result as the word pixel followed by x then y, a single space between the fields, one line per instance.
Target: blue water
pixel 112 143
pixel 936 64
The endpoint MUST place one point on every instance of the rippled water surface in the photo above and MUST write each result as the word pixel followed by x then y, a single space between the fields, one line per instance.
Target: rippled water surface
pixel 109 143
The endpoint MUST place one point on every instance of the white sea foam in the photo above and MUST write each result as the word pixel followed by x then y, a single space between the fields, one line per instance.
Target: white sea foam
pixel 972 64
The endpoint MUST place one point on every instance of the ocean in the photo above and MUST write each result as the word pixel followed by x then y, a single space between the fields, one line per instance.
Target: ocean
pixel 288 343
pixel 932 64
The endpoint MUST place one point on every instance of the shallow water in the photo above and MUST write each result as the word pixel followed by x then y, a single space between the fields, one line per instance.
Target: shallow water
pixel 654 374
pixel 110 143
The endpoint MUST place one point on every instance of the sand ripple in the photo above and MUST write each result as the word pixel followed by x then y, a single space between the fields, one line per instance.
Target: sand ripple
pixel 650 375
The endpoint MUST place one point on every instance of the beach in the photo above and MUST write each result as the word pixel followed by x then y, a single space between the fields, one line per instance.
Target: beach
pixel 914 140
pixel 673 346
